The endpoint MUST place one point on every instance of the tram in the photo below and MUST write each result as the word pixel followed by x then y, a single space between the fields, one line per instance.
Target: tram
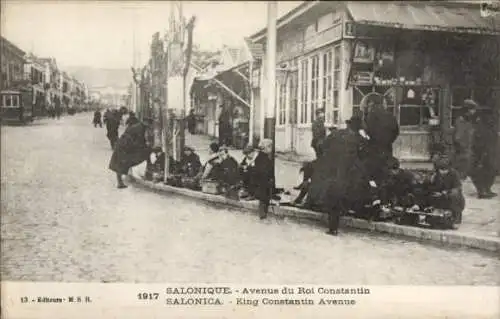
pixel 16 105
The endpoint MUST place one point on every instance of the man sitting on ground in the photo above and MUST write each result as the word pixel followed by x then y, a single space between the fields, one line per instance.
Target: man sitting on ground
pixel 399 187
pixel 228 171
pixel 211 167
pixel 190 164
pixel 246 168
pixel 445 187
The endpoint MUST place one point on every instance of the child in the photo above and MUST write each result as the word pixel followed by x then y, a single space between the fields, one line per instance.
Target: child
pixel 446 188
pixel 399 187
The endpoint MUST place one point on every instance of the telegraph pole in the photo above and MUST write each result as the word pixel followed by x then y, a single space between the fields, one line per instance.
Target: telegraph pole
pixel 270 120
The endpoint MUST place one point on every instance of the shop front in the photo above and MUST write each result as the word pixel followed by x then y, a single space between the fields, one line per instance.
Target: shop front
pixel 225 98
pixel 419 56
pixel 424 72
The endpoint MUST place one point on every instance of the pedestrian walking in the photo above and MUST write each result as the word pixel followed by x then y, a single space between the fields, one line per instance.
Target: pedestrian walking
pixel 318 132
pixel 130 150
pixel 97 118
pixel 112 126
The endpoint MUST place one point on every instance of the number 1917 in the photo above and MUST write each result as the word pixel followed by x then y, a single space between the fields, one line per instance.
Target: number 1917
pixel 148 296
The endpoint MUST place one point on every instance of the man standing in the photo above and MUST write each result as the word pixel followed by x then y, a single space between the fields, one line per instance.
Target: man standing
pixel 112 125
pixel 382 129
pixel 225 130
pixel 191 122
pixel 318 132
pixel 474 141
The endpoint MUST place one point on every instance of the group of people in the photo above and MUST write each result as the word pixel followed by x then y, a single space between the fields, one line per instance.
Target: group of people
pixel 253 178
pixel 54 110
pixel 355 169
pixel 113 119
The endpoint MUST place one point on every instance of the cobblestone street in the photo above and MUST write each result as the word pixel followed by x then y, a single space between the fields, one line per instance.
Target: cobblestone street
pixel 63 219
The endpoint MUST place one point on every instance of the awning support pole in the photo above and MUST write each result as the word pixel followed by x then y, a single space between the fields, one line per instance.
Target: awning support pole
pixel 231 92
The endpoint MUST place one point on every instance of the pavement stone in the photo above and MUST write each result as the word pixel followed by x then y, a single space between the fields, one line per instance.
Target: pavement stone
pixel 63 219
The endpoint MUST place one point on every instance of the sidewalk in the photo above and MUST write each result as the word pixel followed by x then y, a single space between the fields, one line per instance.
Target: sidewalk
pixel 480 227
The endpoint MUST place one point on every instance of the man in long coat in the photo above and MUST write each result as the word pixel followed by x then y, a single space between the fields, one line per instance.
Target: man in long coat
pixel 383 129
pixel 130 150
pixel 225 129
pixel 485 157
pixel 339 175
pixel 475 143
pixel 262 179
pixel 318 132
pixel 112 126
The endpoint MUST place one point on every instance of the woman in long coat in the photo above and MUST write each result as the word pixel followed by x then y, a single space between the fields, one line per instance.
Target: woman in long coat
pixel 130 150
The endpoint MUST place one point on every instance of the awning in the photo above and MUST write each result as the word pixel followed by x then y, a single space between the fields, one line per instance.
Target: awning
pixel 424 16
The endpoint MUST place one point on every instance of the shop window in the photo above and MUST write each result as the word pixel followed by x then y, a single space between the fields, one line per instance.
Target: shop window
pixel 304 90
pixel 319 85
pixel 315 78
pixel 293 96
pixel 415 109
pixel 327 90
pixel 10 100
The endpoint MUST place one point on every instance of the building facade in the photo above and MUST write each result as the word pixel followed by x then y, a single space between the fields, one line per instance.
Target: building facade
pixel 334 54
pixel 12 63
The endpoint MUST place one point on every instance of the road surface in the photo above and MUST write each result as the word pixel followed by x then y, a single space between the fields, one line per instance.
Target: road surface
pixel 63 219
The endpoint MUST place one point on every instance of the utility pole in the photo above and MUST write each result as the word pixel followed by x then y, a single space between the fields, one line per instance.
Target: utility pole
pixel 270 120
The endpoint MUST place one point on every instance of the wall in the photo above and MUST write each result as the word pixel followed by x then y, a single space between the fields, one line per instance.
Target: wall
pixel 293 42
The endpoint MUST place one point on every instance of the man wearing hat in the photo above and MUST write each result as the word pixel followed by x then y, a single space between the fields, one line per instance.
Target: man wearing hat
pixel 190 162
pixel 246 169
pixel 130 150
pixel 446 188
pixel 472 147
pixel 335 184
pixel 318 132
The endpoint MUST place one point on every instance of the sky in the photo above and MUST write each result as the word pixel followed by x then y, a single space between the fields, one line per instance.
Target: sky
pixel 101 34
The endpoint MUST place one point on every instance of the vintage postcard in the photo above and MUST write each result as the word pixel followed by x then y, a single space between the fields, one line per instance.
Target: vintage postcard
pixel 234 159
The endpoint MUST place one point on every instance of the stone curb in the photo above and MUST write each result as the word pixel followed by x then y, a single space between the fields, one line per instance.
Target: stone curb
pixel 427 235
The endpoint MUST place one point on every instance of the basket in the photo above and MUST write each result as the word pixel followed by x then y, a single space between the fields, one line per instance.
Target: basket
pixel 210 187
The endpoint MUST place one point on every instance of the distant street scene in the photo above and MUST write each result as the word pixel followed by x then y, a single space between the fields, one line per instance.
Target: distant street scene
pixel 269 142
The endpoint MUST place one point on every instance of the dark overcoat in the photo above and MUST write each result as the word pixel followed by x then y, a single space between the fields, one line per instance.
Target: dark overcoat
pixel 130 150
pixel 463 138
pixel 262 177
pixel 383 129
pixel 339 175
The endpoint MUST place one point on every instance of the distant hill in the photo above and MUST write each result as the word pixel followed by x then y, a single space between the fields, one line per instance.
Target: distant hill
pixel 97 77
